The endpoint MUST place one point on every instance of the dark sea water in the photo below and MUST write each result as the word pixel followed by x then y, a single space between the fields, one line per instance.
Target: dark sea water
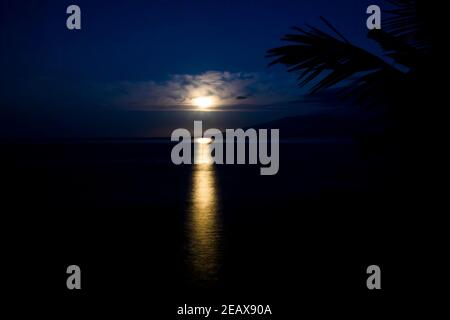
pixel 141 227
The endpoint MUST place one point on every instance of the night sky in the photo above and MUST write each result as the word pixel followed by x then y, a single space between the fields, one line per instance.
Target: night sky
pixel 134 66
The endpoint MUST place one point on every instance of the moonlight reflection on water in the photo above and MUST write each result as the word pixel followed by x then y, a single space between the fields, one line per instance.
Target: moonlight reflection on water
pixel 203 222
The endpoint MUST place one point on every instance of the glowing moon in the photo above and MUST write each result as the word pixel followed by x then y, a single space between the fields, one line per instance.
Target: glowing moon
pixel 204 102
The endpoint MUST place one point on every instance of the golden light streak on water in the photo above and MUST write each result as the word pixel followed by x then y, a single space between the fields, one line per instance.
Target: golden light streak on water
pixel 203 220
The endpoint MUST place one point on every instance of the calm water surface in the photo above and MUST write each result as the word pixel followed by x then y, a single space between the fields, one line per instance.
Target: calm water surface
pixel 203 219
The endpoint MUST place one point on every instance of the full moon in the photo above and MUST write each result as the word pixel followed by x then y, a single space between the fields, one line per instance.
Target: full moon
pixel 204 102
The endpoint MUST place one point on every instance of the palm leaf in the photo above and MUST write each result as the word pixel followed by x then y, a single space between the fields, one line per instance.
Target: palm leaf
pixel 329 60
pixel 409 21
pixel 396 48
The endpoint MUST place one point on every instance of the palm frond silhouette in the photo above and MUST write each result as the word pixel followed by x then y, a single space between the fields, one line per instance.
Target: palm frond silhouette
pixel 324 60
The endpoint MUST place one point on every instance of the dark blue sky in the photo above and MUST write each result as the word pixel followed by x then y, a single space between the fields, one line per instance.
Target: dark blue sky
pixel 117 74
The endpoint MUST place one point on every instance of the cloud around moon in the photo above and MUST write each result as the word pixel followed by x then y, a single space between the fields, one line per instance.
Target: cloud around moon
pixel 230 90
